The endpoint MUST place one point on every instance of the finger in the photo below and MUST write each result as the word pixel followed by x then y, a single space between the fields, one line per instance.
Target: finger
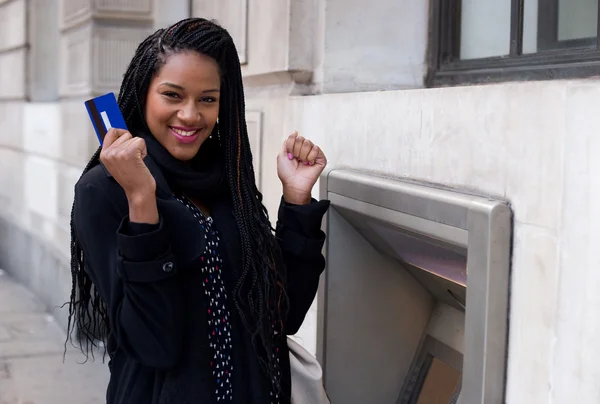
pixel 298 146
pixel 313 154
pixel 137 147
pixel 305 150
pixel 321 159
pixel 289 143
pixel 111 136
pixel 121 140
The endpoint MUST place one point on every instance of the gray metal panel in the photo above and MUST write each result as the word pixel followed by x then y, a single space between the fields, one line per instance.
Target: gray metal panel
pixel 411 198
pixel 486 322
pixel 422 225
pixel 376 306
pixel 488 224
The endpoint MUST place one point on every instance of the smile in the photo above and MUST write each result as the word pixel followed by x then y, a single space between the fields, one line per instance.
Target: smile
pixel 185 135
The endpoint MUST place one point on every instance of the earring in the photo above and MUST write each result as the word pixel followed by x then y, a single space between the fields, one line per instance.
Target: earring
pixel 215 128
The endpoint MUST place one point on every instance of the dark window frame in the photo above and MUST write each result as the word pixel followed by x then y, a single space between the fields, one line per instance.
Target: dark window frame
pixel 556 59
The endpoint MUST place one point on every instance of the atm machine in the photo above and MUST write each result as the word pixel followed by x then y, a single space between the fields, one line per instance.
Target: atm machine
pixel 413 306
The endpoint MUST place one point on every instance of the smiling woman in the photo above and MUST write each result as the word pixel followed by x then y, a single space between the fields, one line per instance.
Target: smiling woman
pixel 183 103
pixel 174 262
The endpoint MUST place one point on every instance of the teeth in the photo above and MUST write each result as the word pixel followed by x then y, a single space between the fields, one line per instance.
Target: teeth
pixel 183 132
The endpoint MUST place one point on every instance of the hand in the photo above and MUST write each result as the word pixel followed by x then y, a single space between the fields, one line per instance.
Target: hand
pixel 123 156
pixel 299 165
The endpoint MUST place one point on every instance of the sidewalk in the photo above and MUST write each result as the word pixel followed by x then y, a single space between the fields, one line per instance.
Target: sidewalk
pixel 31 356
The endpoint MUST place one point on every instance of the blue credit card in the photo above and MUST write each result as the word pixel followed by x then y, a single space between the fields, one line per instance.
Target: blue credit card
pixel 105 114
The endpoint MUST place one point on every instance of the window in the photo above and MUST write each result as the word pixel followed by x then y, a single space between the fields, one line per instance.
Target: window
pixel 474 41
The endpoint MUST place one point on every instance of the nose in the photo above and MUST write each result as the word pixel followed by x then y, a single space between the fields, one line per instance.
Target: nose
pixel 189 114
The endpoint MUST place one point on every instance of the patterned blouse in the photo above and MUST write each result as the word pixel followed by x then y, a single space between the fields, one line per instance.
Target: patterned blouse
pixel 219 327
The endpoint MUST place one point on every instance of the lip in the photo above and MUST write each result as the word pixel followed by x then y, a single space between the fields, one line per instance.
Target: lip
pixel 185 128
pixel 184 139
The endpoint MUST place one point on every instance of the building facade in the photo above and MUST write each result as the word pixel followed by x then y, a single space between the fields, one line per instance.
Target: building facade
pixel 500 101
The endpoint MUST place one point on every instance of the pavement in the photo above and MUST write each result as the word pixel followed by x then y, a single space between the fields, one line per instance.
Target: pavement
pixel 32 370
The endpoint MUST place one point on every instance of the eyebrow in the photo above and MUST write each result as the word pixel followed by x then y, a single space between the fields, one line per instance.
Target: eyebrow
pixel 178 87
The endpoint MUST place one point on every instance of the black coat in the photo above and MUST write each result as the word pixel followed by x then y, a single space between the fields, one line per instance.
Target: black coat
pixel 148 277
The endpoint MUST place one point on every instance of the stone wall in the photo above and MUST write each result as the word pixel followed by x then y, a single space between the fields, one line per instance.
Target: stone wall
pixel 78 49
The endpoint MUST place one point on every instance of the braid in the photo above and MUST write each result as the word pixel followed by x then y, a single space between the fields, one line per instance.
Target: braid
pixel 88 314
pixel 259 296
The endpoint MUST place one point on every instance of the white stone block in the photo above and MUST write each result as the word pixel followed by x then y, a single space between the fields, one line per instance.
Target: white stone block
pixel 254 125
pixel 13 68
pixel 169 13
pixel 112 51
pixel 534 123
pixel 41 186
pixel 271 103
pixel 77 137
pixel 44 51
pixel 136 7
pixel 74 12
pixel 304 34
pixel 76 61
pixel 576 368
pixel 13 20
pixel 11 181
pixel 466 149
pixel 41 129
pixel 11 124
pixel 381 46
pixel 67 178
pixel 386 132
pixel 232 15
pixel 532 315
pixel 268 37
pixel 507 148
pixel 95 58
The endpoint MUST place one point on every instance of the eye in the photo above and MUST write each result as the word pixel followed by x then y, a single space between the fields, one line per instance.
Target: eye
pixel 171 94
pixel 208 100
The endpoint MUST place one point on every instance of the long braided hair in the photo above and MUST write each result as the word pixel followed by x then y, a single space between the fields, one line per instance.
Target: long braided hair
pixel 259 295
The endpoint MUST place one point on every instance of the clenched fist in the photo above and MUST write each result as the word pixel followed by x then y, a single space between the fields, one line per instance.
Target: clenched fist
pixel 299 164
pixel 123 156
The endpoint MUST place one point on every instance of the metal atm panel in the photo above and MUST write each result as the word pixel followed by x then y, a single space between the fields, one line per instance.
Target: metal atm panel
pixel 415 295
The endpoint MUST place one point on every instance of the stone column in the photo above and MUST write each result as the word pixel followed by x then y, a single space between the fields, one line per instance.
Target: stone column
pixel 98 39
pixel 44 36
pixel 13 67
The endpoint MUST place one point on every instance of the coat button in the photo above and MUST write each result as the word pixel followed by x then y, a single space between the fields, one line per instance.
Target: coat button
pixel 168 266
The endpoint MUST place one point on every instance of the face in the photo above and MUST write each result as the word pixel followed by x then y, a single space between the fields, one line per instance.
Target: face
pixel 182 105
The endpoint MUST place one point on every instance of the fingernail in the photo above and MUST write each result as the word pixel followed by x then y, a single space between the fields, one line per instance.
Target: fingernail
pixel 306 163
pixel 290 156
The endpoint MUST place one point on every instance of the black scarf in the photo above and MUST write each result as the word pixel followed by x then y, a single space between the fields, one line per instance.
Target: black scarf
pixel 203 178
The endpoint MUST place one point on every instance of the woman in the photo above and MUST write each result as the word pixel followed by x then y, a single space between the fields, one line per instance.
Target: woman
pixel 174 261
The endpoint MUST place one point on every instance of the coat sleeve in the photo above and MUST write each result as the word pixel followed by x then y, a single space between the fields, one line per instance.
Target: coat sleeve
pixel 134 271
pixel 301 240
